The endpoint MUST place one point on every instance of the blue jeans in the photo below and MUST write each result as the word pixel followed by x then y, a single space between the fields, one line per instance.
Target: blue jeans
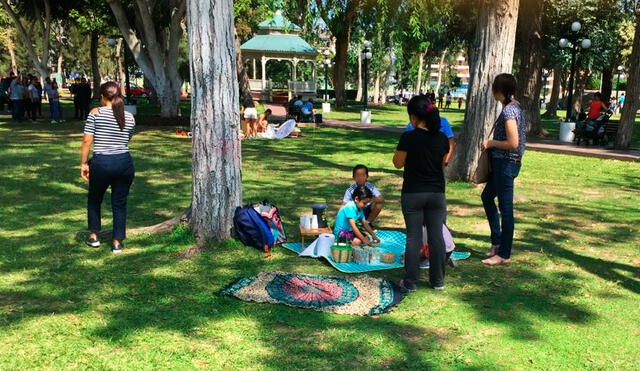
pixel 500 184
pixel 118 172
pixel 56 110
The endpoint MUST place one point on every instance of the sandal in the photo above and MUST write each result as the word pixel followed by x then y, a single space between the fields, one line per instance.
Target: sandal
pixel 496 260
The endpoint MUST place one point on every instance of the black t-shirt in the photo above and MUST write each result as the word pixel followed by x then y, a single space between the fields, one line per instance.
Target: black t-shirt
pixel 423 170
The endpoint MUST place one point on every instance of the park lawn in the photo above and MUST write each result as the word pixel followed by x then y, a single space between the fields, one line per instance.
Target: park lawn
pixel 569 301
pixel 396 115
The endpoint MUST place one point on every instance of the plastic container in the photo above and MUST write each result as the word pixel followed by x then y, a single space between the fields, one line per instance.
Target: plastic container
pixel 566 131
pixel 375 255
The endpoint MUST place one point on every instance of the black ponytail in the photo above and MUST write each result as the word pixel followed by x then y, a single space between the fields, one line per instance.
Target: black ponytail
pixel 421 107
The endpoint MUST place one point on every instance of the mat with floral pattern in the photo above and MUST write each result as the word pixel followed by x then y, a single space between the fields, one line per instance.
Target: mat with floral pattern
pixel 361 295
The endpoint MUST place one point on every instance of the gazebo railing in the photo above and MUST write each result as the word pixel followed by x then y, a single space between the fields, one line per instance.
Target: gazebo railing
pixel 302 86
pixel 256 85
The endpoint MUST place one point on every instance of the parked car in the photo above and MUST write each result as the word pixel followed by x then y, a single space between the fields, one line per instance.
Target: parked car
pixel 138 91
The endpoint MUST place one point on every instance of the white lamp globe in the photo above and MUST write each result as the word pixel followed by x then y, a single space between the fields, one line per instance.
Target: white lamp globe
pixel 367 43
pixel 327 61
pixel 326 52
pixel 564 43
pixel 111 42
pixel 585 44
pixel 620 68
pixel 368 55
pixel 576 26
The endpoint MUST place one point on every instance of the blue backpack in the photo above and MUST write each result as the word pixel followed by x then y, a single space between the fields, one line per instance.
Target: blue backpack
pixel 252 230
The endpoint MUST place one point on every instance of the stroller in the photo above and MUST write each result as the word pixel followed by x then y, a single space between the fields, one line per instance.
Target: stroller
pixel 593 130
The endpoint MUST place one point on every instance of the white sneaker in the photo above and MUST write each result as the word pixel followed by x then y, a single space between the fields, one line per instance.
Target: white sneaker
pixel 424 264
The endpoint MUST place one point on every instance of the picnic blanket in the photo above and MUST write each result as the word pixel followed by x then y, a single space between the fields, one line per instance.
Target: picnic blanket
pixel 390 241
pixel 361 295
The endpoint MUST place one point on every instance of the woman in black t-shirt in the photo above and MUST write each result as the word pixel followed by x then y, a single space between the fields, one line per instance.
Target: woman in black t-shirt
pixel 422 152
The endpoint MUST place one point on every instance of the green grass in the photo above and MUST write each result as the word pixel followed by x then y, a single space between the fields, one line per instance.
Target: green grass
pixel 569 301
pixel 396 115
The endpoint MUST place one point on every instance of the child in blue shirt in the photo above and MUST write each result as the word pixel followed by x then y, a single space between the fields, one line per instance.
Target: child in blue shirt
pixel 346 229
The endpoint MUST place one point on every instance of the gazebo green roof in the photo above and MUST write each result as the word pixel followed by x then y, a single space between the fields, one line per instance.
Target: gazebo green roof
pixel 279 23
pixel 278 43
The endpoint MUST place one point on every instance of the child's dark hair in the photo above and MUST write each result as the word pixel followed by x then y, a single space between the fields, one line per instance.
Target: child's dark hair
pixel 361 193
pixel 268 110
pixel 424 110
pixel 360 167
pixel 506 84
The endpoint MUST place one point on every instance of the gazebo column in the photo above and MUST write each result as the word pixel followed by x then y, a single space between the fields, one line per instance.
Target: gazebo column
pixel 254 68
pixel 264 73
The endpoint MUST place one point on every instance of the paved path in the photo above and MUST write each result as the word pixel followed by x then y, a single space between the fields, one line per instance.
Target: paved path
pixel 540 145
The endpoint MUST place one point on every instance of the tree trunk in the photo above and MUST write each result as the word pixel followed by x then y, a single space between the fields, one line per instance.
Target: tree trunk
pixel 155 48
pixel 440 63
pixel 632 96
pixel 529 73
pixel 420 67
pixel 552 106
pixel 340 68
pixel 40 63
pixel 359 92
pixel 580 84
pixel 12 55
pixel 494 41
pixel 607 84
pixel 95 69
pixel 243 77
pixel 217 184
pixel 120 73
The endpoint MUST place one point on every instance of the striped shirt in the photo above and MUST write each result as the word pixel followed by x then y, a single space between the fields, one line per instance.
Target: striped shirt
pixel 108 139
pixel 348 194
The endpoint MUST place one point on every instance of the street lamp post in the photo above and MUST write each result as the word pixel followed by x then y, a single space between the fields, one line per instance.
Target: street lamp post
pixel 327 63
pixel 112 43
pixel 572 42
pixel 365 115
pixel 620 69
pixel 545 76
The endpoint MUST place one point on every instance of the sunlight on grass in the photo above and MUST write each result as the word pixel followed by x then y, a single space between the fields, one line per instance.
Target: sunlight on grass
pixel 63 305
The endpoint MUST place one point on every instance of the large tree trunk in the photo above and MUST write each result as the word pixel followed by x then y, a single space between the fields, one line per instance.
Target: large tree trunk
pixel 632 99
pixel 340 68
pixel 607 83
pixel 552 106
pixel 217 185
pixel 40 62
pixel 95 69
pixel 529 73
pixel 494 41
pixel 243 77
pixel 155 48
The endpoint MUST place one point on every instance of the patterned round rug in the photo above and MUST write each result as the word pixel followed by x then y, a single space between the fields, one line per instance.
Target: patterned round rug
pixel 359 295
pixel 311 291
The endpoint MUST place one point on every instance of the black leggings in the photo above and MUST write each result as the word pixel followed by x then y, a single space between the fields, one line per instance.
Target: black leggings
pixel 429 209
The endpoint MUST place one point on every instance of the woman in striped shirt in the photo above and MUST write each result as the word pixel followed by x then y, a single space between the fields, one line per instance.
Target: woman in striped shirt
pixel 109 128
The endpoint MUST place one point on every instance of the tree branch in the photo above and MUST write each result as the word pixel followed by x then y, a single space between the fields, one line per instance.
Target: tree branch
pixel 45 33
pixel 150 38
pixel 130 37
pixel 175 33
pixel 26 35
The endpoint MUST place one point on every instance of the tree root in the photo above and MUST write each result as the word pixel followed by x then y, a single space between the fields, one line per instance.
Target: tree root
pixel 165 226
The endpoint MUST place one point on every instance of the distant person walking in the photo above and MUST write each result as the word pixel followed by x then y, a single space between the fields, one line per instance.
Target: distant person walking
pixel 34 98
pixel 48 93
pixel 16 94
pixel 507 148
pixel 109 129
pixel 83 91
pixel 621 102
pixel 449 99
pixel 54 101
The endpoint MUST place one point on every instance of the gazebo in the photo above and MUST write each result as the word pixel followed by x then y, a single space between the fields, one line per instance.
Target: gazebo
pixel 278 39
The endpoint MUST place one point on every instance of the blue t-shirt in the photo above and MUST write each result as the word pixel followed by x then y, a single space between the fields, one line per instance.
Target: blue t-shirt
pixel 298 103
pixel 307 108
pixel 511 111
pixel 445 128
pixel 348 211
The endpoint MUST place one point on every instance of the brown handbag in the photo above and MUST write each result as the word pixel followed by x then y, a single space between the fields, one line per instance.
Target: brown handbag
pixel 483 169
